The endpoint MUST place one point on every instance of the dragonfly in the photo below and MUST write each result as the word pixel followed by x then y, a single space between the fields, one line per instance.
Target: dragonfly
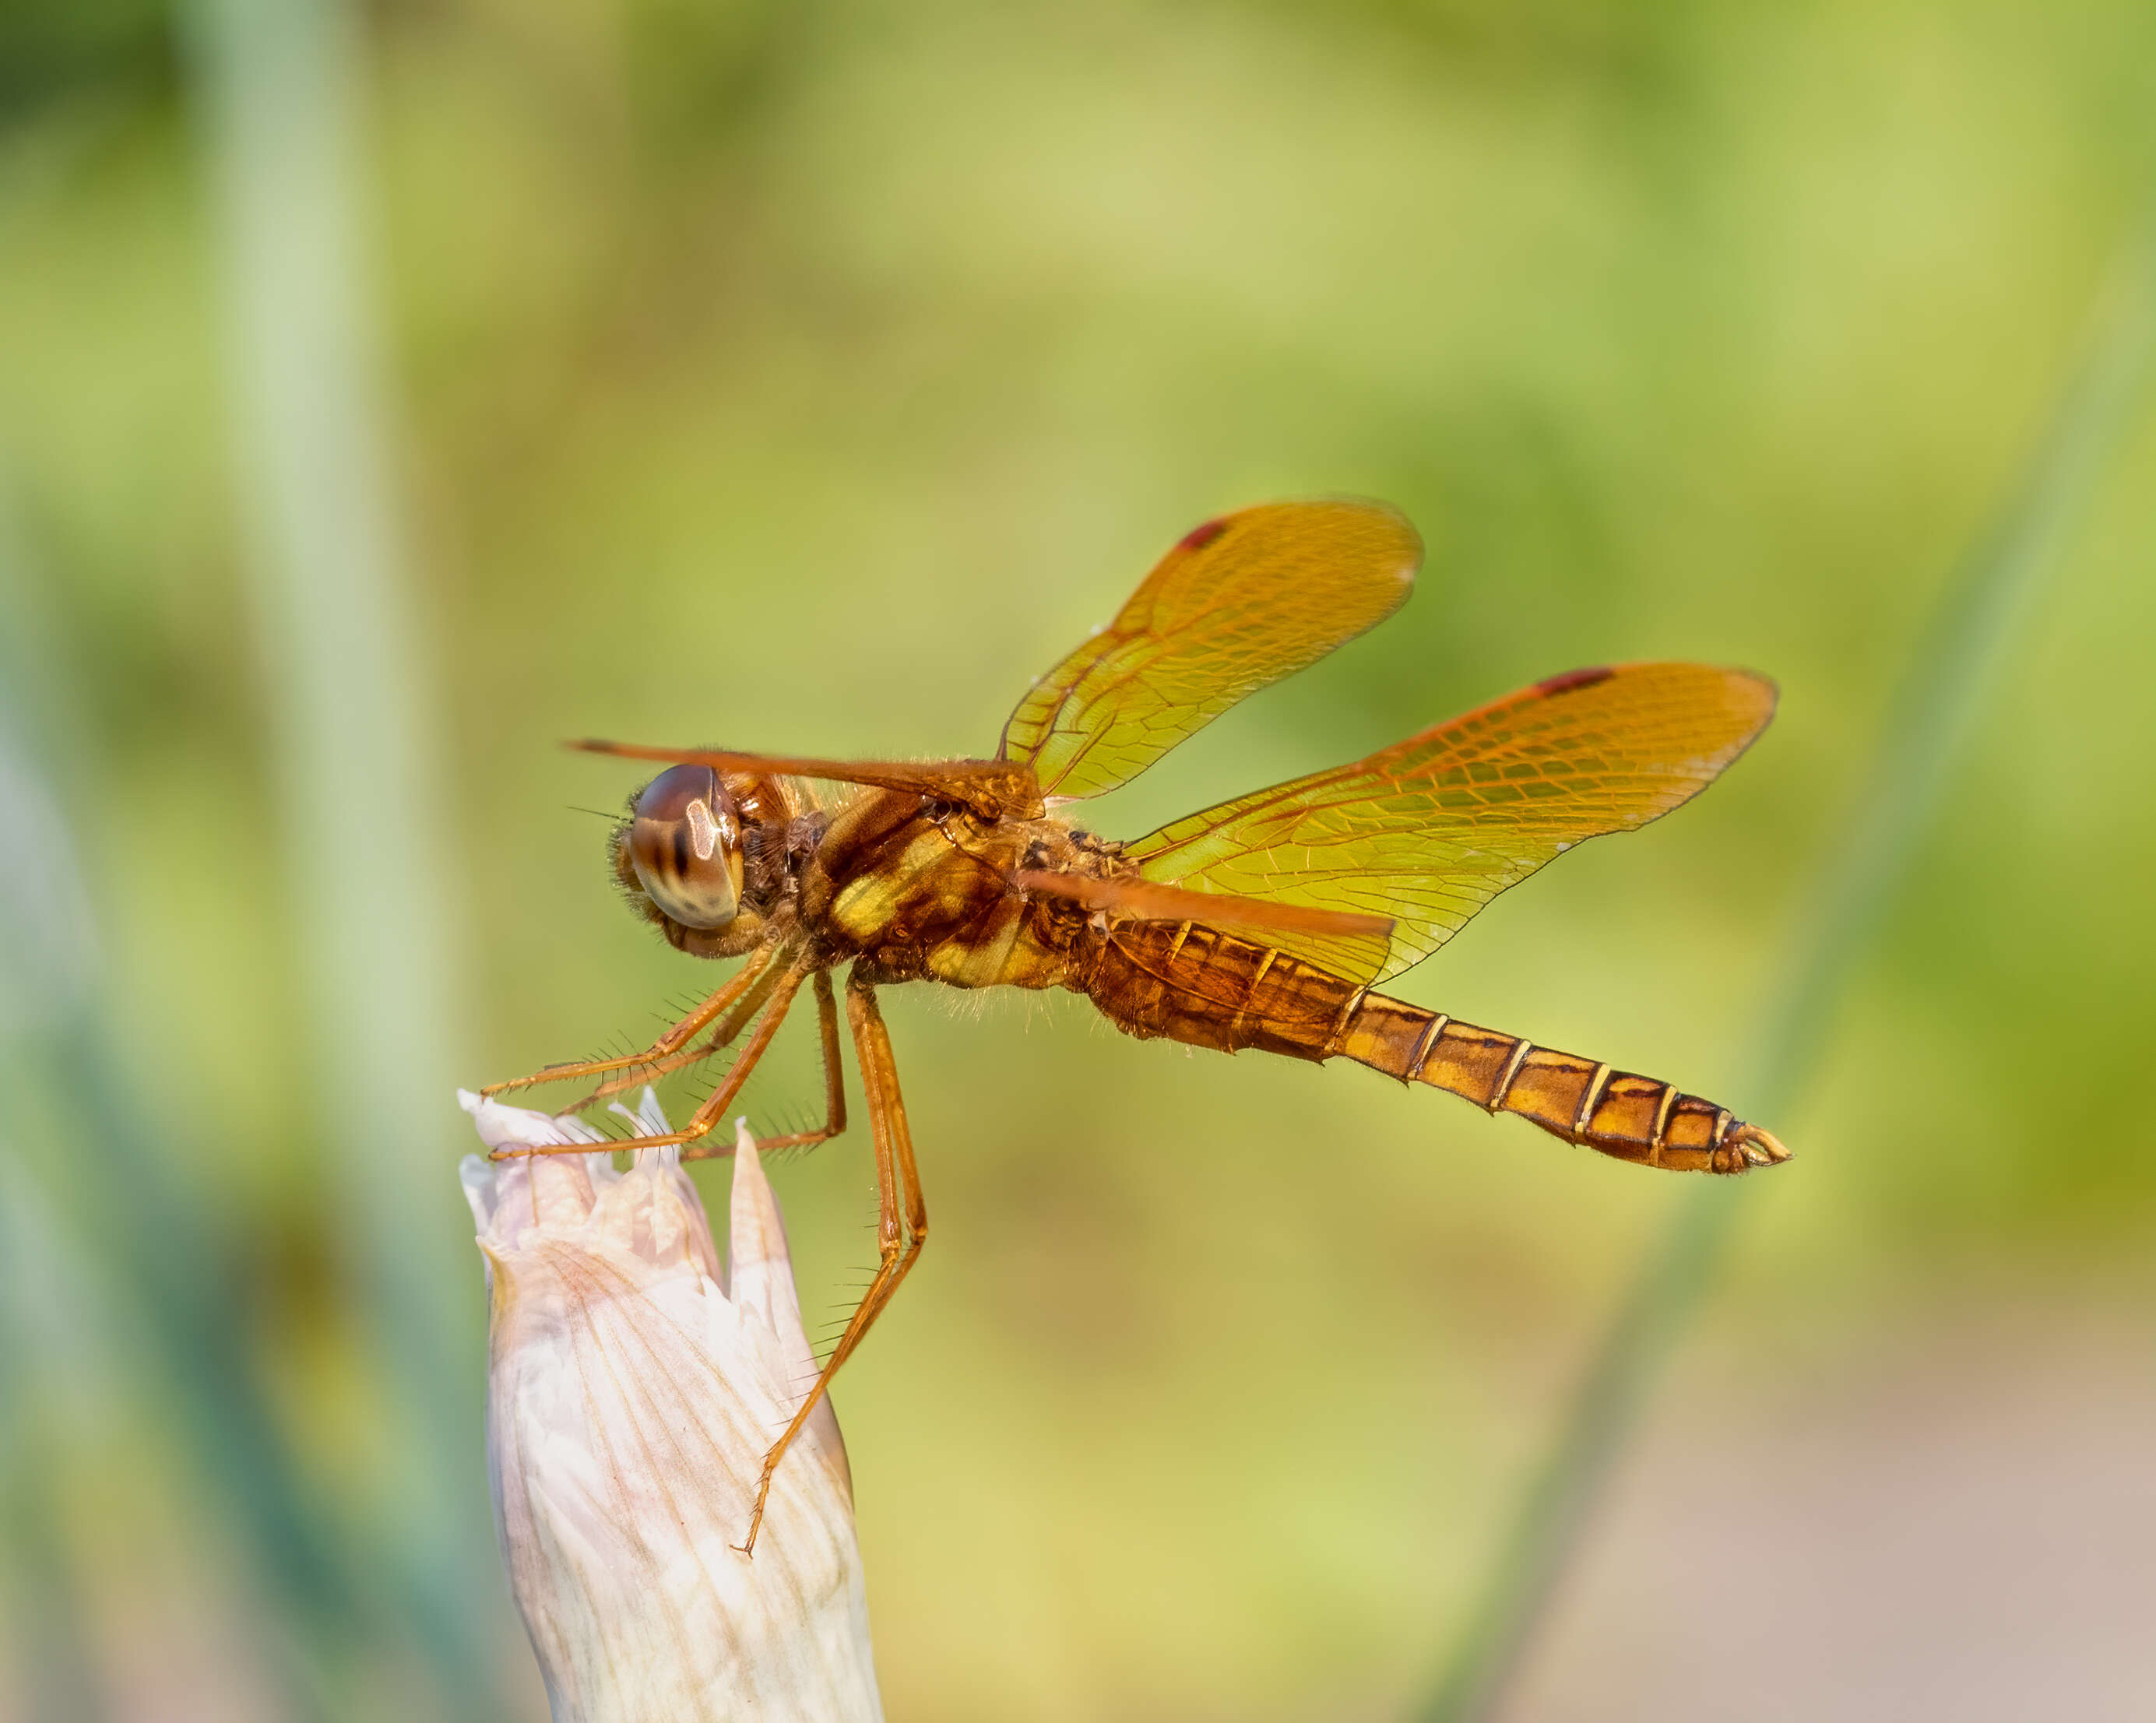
pixel 1269 922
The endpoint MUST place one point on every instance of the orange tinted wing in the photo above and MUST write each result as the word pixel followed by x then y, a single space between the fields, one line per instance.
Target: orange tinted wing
pixel 1429 830
pixel 994 787
pixel 1239 603
pixel 1149 900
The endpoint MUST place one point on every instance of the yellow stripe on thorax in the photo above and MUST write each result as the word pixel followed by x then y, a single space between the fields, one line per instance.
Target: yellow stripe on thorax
pixel 867 905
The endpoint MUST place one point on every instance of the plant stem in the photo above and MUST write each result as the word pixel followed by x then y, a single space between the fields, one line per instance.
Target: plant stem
pixel 1955 669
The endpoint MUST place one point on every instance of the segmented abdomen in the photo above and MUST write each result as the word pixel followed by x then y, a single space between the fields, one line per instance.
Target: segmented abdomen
pixel 1207 988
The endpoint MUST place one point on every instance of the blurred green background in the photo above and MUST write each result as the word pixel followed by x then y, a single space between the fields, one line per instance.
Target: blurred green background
pixel 810 376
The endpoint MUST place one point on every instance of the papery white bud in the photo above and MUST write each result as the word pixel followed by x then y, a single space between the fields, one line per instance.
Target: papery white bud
pixel 632 1392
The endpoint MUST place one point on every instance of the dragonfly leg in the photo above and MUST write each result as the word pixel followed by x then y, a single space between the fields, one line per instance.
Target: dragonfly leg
pixel 835 1077
pixel 660 1050
pixel 902 1226
pixel 745 1005
pixel 715 1105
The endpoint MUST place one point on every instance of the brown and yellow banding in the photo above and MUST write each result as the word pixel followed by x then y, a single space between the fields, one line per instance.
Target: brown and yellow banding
pixel 1199 985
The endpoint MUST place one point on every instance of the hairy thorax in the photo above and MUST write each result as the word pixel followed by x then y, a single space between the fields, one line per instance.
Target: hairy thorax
pixel 918 891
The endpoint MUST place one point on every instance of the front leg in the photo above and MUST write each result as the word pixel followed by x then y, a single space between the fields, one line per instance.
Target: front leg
pixel 690 1136
pixel 745 1005
pixel 665 1049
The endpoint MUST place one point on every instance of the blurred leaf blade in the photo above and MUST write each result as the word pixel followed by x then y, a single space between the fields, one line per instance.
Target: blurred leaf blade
pixel 75 1135
pixel 353 738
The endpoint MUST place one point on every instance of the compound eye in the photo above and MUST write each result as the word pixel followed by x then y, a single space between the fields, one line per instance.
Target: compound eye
pixel 684 843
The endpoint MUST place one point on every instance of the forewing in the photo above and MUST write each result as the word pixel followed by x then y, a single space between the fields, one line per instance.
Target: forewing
pixel 1239 603
pixel 993 787
pixel 1429 830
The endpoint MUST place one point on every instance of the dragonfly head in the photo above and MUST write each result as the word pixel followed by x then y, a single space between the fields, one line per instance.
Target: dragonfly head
pixel 683 843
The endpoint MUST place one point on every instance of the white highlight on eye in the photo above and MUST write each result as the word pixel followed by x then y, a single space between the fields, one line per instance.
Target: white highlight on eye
pixel 704 834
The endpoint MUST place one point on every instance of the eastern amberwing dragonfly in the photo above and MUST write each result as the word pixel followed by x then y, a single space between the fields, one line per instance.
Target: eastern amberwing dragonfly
pixel 1266 922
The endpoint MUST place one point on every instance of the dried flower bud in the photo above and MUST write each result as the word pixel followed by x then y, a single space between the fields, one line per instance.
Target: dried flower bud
pixel 633 1387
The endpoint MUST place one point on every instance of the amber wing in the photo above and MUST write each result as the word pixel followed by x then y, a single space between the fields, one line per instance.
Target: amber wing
pixel 1239 603
pixel 1429 830
pixel 993 787
pixel 1148 900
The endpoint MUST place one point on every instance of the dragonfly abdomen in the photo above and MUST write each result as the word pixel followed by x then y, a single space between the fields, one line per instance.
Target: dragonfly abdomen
pixel 1195 984
pixel 1198 985
pixel 1620 1113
